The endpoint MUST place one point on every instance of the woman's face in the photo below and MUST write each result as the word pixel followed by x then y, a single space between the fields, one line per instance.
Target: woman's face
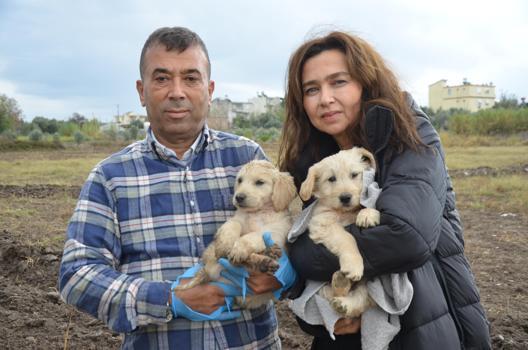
pixel 331 98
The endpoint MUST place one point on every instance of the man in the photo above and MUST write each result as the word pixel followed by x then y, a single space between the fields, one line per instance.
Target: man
pixel 146 214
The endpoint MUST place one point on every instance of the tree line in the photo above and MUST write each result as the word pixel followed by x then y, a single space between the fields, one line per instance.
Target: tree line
pixel 508 116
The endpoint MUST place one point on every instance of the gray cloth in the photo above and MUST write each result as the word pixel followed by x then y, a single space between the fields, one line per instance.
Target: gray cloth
pixel 392 293
pixel 370 191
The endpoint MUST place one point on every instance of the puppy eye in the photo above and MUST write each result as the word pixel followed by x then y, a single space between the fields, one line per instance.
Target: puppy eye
pixel 332 179
pixel 239 180
pixel 354 175
pixel 259 182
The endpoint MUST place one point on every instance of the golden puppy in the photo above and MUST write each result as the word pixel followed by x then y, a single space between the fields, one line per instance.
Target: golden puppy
pixel 337 182
pixel 262 197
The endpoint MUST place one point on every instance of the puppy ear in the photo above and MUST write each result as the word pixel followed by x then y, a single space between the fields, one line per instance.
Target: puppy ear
pixel 283 191
pixel 367 158
pixel 307 187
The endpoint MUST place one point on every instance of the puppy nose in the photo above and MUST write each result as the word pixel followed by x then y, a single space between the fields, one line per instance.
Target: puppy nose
pixel 240 197
pixel 345 198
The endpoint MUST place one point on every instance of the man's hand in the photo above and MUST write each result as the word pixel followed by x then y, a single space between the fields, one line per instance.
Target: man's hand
pixel 204 298
pixel 347 326
pixel 261 282
pixel 203 302
pixel 285 275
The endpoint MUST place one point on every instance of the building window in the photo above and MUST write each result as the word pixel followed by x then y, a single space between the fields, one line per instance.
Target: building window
pixel 449 92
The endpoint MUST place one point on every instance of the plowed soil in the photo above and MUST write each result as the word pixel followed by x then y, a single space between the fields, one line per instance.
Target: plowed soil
pixel 34 317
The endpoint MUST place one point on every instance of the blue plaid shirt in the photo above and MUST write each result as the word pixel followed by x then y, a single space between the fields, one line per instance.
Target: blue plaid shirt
pixel 143 217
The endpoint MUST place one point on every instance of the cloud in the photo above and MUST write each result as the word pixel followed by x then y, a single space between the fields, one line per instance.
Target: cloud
pixel 63 57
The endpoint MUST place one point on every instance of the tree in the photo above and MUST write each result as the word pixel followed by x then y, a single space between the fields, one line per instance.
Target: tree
pixel 138 124
pixel 78 119
pixel 10 113
pixel 507 101
pixel 48 126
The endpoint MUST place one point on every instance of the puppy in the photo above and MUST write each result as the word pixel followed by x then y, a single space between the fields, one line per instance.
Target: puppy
pixel 337 182
pixel 262 197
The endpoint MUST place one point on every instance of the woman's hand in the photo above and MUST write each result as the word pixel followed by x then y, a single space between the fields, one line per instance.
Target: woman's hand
pixel 347 326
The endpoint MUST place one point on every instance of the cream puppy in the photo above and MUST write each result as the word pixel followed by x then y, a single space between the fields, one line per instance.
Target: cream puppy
pixel 262 197
pixel 337 183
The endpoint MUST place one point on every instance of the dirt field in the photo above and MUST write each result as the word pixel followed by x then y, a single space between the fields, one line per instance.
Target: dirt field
pixel 31 238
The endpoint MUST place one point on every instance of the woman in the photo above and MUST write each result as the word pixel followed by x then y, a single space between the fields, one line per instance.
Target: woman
pixel 341 94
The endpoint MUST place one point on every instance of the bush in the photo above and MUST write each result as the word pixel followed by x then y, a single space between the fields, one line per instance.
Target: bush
pixel 35 135
pixel 490 122
pixel 8 135
pixel 78 137
pixel 68 129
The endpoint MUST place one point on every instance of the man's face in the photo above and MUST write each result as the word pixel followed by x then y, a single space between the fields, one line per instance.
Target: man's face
pixel 176 91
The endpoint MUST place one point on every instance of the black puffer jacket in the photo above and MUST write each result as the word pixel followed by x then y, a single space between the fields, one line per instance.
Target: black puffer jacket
pixel 420 233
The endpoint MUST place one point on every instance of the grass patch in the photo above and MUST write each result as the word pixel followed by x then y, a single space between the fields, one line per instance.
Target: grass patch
pixel 505 194
pixel 450 139
pixel 494 157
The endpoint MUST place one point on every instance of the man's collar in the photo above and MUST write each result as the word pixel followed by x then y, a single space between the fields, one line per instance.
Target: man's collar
pixel 166 153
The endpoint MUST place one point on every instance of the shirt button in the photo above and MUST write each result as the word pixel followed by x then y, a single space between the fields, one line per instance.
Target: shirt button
pixel 191 203
pixel 198 239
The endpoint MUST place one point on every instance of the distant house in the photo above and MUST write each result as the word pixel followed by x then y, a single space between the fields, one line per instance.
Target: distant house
pixel 467 96
pixel 223 110
pixel 124 120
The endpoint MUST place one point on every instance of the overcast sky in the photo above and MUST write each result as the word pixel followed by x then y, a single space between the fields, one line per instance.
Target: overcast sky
pixel 59 57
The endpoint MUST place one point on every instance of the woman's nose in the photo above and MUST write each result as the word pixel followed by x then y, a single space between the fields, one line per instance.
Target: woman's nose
pixel 327 95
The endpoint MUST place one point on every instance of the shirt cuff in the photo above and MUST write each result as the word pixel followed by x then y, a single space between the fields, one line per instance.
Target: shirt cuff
pixel 152 303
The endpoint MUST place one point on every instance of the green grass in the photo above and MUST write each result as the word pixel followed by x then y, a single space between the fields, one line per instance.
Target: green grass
pixel 450 139
pixel 494 157
pixel 71 171
pixel 505 194
pixel 71 167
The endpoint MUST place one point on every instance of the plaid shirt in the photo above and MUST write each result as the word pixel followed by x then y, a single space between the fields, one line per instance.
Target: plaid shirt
pixel 143 217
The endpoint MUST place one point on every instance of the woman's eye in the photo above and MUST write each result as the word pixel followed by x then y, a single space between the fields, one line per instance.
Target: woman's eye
pixel 332 179
pixel 239 180
pixel 259 182
pixel 311 91
pixel 354 175
pixel 340 82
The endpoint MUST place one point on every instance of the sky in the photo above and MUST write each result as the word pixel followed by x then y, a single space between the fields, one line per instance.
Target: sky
pixel 58 57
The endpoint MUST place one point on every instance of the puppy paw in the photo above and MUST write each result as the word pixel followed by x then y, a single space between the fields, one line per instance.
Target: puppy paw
pixel 274 252
pixel 263 263
pixel 352 268
pixel 368 217
pixel 339 305
pixel 240 253
pixel 344 306
pixel 341 285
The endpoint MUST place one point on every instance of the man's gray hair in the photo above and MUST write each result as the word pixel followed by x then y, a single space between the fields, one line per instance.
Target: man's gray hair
pixel 175 38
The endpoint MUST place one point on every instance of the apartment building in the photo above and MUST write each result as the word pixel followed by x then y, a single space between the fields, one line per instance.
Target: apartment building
pixel 471 97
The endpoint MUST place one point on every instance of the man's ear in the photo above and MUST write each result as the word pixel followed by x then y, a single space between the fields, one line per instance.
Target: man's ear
pixel 139 88
pixel 211 88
